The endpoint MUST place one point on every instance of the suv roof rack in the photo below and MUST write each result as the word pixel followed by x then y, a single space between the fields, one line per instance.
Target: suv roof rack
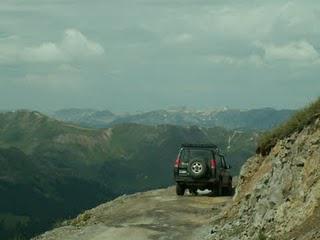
pixel 206 145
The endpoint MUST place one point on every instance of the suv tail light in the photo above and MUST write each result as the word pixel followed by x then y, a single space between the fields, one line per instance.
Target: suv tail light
pixel 177 163
pixel 213 164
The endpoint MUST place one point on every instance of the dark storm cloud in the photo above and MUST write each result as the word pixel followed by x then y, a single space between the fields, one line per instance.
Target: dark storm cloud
pixel 138 54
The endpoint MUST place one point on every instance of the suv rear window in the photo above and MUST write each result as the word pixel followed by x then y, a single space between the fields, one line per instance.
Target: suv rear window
pixel 189 154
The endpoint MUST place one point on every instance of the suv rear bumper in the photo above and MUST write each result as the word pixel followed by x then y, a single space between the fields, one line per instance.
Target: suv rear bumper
pixel 196 182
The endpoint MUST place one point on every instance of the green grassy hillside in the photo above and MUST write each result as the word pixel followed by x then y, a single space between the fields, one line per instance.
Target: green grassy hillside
pixel 295 124
pixel 51 170
pixel 35 194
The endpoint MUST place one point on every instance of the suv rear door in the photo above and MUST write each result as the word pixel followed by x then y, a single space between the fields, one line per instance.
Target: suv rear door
pixel 188 154
pixel 224 171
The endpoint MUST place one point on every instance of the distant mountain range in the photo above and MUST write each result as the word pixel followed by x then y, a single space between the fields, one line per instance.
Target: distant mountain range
pixel 86 117
pixel 257 119
pixel 50 170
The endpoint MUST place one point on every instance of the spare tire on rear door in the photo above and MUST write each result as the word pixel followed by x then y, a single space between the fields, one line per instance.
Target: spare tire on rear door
pixel 197 168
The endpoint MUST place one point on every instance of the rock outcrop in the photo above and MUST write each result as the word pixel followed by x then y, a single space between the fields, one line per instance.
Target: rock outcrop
pixel 278 196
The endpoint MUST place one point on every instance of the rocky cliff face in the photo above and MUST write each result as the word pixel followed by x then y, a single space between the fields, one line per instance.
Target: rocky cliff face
pixel 278 196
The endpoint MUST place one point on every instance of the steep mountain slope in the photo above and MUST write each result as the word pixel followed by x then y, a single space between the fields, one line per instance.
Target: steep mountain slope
pixel 35 194
pixel 260 119
pixel 66 169
pixel 278 195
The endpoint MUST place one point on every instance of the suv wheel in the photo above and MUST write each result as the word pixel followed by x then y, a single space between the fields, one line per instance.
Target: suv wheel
pixel 193 191
pixel 220 190
pixel 215 191
pixel 227 191
pixel 197 168
pixel 230 188
pixel 180 189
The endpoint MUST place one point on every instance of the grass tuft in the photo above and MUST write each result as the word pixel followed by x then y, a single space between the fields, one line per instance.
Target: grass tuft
pixel 300 120
pixel 82 219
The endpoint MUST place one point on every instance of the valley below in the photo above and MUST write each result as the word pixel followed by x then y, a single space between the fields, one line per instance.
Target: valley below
pixel 53 170
pixel 158 214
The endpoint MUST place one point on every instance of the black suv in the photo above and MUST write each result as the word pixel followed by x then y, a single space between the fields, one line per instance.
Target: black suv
pixel 202 166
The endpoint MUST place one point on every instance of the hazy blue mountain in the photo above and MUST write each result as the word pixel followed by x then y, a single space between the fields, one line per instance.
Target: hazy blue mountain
pixel 257 119
pixel 263 119
pixel 85 117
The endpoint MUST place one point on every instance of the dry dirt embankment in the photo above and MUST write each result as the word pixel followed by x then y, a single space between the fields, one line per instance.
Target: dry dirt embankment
pixel 158 214
pixel 278 195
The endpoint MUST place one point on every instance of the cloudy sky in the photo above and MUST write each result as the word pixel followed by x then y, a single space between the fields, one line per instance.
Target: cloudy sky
pixel 129 55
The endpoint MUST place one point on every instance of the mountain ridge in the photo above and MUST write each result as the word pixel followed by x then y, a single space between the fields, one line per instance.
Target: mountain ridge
pixel 256 119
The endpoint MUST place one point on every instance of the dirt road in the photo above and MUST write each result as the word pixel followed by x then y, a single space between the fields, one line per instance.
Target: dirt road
pixel 158 214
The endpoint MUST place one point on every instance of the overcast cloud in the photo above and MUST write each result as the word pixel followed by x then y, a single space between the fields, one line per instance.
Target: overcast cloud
pixel 128 55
